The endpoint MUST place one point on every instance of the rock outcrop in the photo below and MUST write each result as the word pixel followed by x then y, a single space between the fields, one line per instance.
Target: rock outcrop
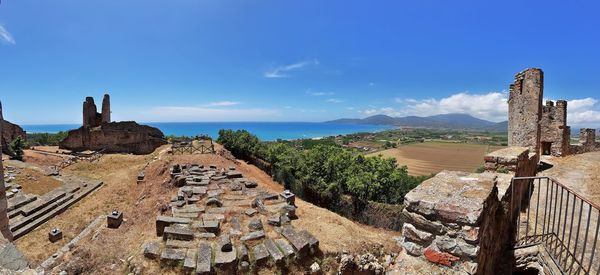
pixel 99 134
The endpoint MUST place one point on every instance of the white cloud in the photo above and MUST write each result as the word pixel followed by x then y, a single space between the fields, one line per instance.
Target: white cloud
pixel 200 114
pixel 491 106
pixel 5 36
pixel 222 104
pixel 281 71
pixel 314 93
pixel 334 100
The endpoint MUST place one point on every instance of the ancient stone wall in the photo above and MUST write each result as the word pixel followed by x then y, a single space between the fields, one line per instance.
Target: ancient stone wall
pixel 556 135
pixel 587 142
pixel 462 220
pixel 4 229
pixel 10 131
pixel 106 109
pixel 525 109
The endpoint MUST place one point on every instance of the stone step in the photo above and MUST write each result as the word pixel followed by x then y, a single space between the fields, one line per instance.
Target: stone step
pixel 260 253
pixel 61 208
pixel 285 247
pixel 298 241
pixel 274 251
pixel 42 202
pixel 172 257
pixel 164 221
pixel 178 232
pixel 24 220
pixel 172 243
pixel 19 201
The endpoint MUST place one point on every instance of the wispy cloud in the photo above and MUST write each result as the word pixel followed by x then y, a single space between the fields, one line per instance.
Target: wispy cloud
pixel 282 71
pixel 5 36
pixel 315 93
pixel 334 100
pixel 222 104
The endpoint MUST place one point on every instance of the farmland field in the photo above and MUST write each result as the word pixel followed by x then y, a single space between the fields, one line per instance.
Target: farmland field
pixel 432 157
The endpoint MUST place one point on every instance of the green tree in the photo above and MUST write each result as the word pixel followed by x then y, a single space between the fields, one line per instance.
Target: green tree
pixel 16 147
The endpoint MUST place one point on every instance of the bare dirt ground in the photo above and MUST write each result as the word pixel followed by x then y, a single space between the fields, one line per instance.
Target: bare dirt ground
pixel 433 157
pixel 114 250
pixel 36 182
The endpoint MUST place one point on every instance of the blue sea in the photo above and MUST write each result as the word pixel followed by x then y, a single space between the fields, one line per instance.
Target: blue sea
pixel 268 131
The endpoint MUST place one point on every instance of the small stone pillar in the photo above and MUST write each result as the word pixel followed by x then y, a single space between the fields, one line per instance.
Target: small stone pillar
pixel 55 235
pixel 141 177
pixel 289 197
pixel 587 136
pixel 114 219
pixel 4 229
pixel 106 109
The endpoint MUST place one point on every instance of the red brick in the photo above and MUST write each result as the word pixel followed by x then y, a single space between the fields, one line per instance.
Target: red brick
pixel 439 257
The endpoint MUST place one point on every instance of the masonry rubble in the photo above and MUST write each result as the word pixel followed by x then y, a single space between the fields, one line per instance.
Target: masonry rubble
pixel 99 133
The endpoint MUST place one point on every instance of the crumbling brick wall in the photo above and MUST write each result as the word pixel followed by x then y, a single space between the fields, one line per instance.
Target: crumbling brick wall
pixel 587 142
pixel 525 109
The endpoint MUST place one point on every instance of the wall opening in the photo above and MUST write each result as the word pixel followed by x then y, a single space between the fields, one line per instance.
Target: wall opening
pixel 546 148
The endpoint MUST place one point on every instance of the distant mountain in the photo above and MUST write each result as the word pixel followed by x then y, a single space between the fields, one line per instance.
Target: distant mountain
pixel 446 121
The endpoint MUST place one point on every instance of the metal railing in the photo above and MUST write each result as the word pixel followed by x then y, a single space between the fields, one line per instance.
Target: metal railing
pixel 565 223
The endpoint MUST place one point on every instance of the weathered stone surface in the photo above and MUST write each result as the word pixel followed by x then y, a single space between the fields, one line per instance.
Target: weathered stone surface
pixel 152 250
pixel 4 223
pixel 295 238
pixel 251 184
pixel 415 235
pixel 225 244
pixel 9 133
pixel 10 256
pixel 285 247
pixel 211 226
pixel 113 137
pixel 236 227
pixel 260 253
pixel 189 263
pixel 203 265
pixel 178 233
pixel 274 220
pixel 213 202
pixel 422 223
pixel 172 243
pixel 412 248
pixel 255 224
pixel 164 221
pixel 439 257
pixel 255 235
pixel 274 251
pixel 455 196
pixel 313 242
pixel 114 219
pixel 172 257
pixel 525 109
pixel 225 259
pixel 250 212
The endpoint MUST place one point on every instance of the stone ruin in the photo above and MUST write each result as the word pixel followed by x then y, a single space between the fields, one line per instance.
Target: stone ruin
pixel 4 229
pixel 99 133
pixel 10 132
pixel 542 128
pixel 220 220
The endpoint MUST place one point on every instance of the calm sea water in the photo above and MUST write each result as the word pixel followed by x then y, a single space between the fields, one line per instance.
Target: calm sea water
pixel 264 130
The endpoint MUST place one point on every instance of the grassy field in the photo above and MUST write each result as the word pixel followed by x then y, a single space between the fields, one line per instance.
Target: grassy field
pixel 432 157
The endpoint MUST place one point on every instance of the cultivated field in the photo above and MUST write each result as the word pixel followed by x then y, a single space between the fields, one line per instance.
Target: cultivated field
pixel 432 157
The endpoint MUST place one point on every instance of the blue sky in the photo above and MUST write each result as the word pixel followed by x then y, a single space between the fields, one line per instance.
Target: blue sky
pixel 291 60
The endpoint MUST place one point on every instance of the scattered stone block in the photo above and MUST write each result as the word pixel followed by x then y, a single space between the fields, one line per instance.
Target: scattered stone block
pixel 289 197
pixel 236 227
pixel 203 265
pixel 274 220
pixel 55 235
pixel 205 235
pixel 296 239
pixel 172 257
pixel 173 243
pixel 225 244
pixel 152 250
pixel 213 202
pixel 313 242
pixel 289 211
pixel 412 248
pixel 274 251
pixel 285 247
pixel 255 224
pixel 211 226
pixel 250 212
pixel 114 219
pixel 225 259
pixel 141 177
pixel 199 190
pixel 236 186
pixel 178 232
pixel 253 236
pixel 439 257
pixel 260 253
pixel 213 217
pixel 217 210
pixel 234 175
pixel 164 221
pixel 251 184
pixel 189 263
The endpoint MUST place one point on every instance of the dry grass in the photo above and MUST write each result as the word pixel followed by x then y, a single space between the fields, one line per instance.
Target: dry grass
pixel 107 252
pixel 35 182
pixel 432 157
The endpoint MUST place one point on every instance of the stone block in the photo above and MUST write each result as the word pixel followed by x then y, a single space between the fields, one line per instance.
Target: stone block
pixel 203 265
pixel 250 212
pixel 114 219
pixel 423 223
pixel 213 202
pixel 260 253
pixel 211 226
pixel 255 235
pixel 285 247
pixel 274 251
pixel 289 197
pixel 274 220
pixel 164 221
pixel 255 224
pixel 242 252
pixel 177 232
pixel 225 244
pixel 438 257
pixel 415 235
pixel 250 184
pixel 225 259
pixel 55 235
pixel 189 263
pixel 173 243
pixel 172 257
pixel 296 239
pixel 152 250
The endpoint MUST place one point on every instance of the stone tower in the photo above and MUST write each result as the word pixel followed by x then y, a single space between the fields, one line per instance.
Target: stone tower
pixel 556 135
pixel 90 117
pixel 106 109
pixel 525 109
pixel 3 201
